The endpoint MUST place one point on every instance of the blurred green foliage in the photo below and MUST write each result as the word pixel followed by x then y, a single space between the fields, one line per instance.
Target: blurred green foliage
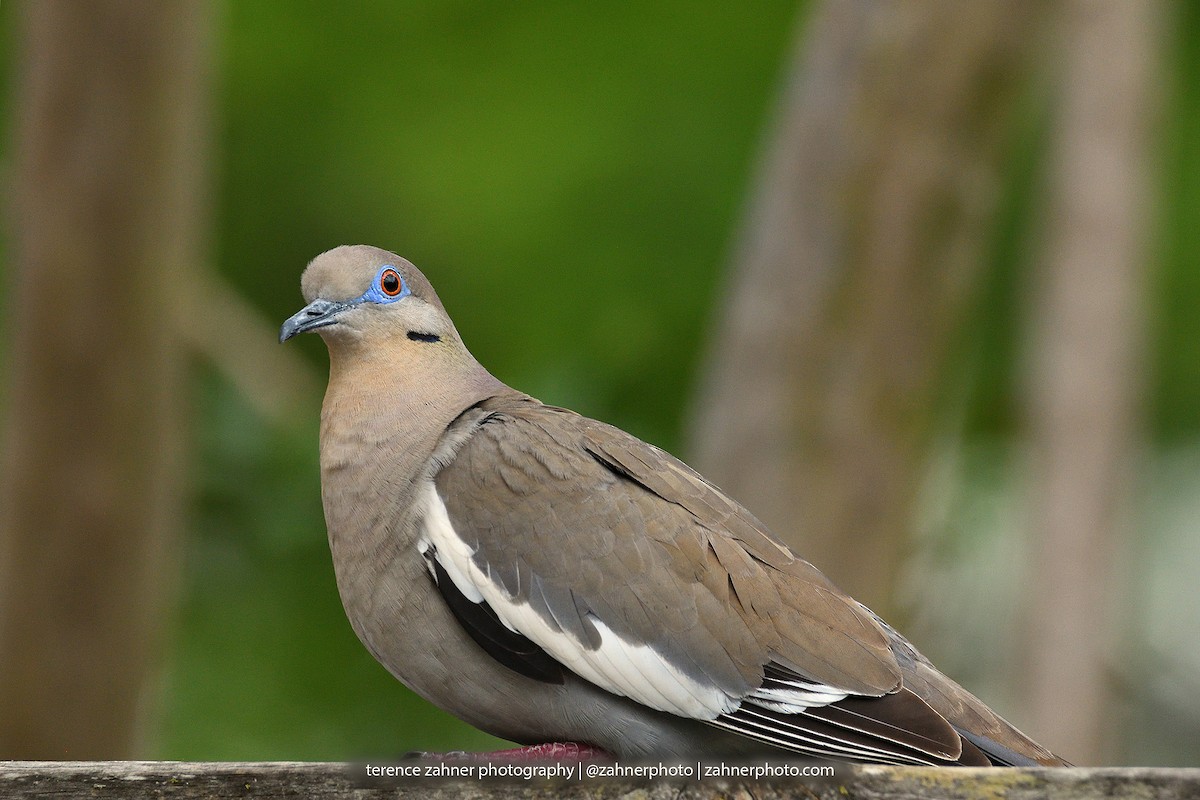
pixel 567 175
pixel 1175 370
pixel 552 168
pixel 570 177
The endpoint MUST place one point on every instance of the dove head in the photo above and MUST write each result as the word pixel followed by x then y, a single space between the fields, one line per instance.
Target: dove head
pixel 386 330
pixel 363 297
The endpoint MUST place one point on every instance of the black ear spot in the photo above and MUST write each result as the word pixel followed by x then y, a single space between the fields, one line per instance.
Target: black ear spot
pixel 417 336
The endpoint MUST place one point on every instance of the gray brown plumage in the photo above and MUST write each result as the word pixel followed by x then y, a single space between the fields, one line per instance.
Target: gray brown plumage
pixel 550 578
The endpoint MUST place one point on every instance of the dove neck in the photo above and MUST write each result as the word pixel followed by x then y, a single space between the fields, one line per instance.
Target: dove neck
pixel 386 416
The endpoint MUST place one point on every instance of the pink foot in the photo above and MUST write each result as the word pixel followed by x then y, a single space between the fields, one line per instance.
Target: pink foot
pixel 549 751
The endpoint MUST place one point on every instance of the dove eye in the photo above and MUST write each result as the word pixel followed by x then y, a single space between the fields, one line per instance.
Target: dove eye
pixel 390 283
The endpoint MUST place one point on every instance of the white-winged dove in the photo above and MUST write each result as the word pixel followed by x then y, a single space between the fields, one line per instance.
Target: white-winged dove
pixel 549 578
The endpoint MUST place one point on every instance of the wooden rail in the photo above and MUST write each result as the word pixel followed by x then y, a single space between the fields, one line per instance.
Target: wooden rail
pixel 337 781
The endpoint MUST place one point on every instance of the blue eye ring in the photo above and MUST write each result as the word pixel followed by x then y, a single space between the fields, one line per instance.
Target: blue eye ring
pixel 388 287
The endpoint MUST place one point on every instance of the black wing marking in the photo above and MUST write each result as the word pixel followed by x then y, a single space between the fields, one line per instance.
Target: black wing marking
pixel 483 625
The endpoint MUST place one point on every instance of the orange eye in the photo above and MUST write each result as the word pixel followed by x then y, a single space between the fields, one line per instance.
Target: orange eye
pixel 390 283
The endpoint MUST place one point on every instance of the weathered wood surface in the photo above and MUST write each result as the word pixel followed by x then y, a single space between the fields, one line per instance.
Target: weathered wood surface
pixel 166 779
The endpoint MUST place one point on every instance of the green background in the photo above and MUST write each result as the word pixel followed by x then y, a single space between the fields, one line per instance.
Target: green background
pixel 567 175
pixel 570 177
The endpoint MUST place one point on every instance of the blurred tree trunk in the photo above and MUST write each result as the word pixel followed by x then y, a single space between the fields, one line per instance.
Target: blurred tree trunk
pixel 107 204
pixel 866 234
pixel 1085 369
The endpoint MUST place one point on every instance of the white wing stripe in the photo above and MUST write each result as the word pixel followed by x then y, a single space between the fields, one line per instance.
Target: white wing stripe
pixel 625 668
pixel 793 701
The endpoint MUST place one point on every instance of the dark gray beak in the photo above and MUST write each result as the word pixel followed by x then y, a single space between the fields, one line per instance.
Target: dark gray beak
pixel 316 314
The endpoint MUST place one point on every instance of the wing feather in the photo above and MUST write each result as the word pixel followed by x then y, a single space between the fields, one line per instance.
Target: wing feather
pixel 536 513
